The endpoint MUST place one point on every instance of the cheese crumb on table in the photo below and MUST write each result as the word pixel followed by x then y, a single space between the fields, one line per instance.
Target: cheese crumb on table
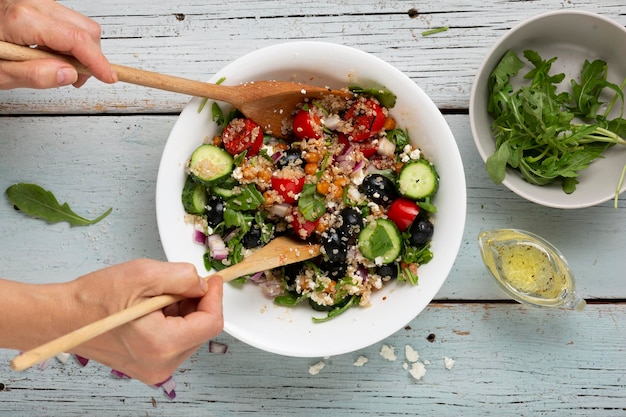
pixel 315 369
pixel 448 362
pixel 418 370
pixel 411 354
pixel 388 352
pixel 361 360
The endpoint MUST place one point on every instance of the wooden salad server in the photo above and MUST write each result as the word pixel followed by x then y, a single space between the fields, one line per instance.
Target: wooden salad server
pixel 279 252
pixel 268 103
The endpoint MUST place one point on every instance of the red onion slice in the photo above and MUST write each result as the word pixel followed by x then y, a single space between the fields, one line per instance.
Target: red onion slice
pixel 199 237
pixel 168 387
pixel 217 247
pixel 119 374
pixel 81 360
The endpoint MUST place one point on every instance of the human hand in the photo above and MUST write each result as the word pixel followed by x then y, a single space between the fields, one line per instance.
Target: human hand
pixel 50 25
pixel 150 348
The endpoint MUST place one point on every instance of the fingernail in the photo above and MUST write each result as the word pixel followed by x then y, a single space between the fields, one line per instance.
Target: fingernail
pixel 66 76
pixel 204 285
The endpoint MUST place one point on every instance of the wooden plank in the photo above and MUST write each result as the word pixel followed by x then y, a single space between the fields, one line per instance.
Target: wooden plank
pixel 195 39
pixel 113 161
pixel 509 360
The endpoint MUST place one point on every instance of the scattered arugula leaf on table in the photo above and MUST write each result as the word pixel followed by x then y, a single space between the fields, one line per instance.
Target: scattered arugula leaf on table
pixel 547 134
pixel 38 202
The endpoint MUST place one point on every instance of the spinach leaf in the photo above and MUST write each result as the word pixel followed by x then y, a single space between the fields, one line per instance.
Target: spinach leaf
pixel 38 202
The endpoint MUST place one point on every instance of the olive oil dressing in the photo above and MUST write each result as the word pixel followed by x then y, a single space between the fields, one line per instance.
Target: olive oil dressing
pixel 528 268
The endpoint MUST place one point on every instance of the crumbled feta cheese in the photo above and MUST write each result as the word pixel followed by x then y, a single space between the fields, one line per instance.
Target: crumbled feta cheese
pixel 388 352
pixel 411 354
pixel 418 370
pixel 331 121
pixel 448 362
pixel 315 369
pixel 361 360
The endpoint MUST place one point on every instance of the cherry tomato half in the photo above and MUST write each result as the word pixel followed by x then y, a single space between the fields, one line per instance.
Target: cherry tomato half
pixel 303 228
pixel 367 118
pixel 288 187
pixel 241 134
pixel 307 125
pixel 402 212
pixel 369 148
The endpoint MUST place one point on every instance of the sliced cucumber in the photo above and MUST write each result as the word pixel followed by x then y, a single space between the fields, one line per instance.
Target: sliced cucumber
pixel 194 197
pixel 380 241
pixel 209 163
pixel 225 193
pixel 418 180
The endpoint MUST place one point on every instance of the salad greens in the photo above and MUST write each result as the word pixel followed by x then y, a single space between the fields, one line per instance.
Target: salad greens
pixel 265 195
pixel 548 134
pixel 38 202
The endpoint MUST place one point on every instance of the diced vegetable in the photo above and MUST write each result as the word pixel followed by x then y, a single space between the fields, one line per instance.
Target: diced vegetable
pixel 418 180
pixel 380 241
pixel 402 212
pixel 209 164
pixel 194 197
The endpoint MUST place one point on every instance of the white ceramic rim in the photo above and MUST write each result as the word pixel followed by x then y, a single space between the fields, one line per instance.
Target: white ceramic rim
pixel 549 195
pixel 290 331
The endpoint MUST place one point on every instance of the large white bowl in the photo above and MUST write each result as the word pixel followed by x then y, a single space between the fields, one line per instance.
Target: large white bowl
pixel 253 318
pixel 572 36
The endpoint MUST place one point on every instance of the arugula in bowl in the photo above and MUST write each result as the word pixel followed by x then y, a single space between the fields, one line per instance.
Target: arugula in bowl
pixel 546 132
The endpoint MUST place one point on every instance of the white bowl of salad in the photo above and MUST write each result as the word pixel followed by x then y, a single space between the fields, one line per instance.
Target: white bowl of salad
pixel 547 109
pixel 375 178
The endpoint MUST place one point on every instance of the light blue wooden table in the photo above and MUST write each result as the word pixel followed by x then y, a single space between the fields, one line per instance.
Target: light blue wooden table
pixel 101 145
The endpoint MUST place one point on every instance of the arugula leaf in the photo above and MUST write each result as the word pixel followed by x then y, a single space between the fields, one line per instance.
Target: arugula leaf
pixel 399 137
pixel 288 299
pixel 379 242
pixel 250 198
pixel 587 94
pixel 38 202
pixel 385 97
pixel 311 204
pixel 337 311
pixel 496 163
pixel 547 134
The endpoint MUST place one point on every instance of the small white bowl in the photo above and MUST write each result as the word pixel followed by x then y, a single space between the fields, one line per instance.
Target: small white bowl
pixel 250 316
pixel 572 37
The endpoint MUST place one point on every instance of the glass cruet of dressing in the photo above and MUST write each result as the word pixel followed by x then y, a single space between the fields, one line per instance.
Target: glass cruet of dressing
pixel 529 269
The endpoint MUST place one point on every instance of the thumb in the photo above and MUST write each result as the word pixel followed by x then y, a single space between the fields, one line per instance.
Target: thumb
pixel 179 278
pixel 40 73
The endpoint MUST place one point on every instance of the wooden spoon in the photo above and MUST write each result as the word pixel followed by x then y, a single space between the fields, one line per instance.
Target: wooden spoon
pixel 268 103
pixel 279 252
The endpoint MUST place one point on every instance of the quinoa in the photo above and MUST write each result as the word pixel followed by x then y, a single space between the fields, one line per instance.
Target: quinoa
pixel 331 166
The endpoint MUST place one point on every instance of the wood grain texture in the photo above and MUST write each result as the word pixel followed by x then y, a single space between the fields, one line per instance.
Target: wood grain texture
pixel 509 360
pixel 100 146
pixel 99 162
pixel 194 39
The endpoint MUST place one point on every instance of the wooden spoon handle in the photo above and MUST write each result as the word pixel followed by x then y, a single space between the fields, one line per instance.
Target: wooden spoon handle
pixel 88 332
pixel 11 52
pixel 280 251
pixel 95 329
